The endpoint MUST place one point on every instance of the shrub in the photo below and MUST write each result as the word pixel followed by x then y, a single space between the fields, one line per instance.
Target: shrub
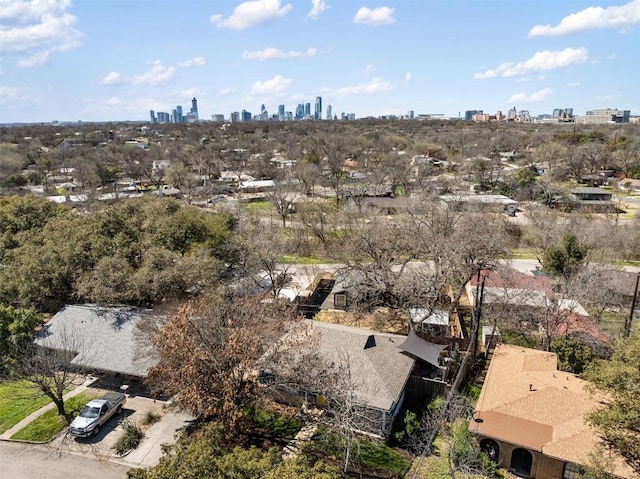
pixel 151 418
pixel 130 439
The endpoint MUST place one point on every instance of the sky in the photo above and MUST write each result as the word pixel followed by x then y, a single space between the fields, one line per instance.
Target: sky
pixel 111 60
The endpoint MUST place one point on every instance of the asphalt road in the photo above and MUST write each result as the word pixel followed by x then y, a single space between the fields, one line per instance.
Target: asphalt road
pixel 26 461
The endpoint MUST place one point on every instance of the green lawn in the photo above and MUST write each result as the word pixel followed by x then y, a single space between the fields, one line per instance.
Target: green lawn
pixel 279 425
pixel 45 427
pixel 296 259
pixel 371 454
pixel 18 399
pixel 258 205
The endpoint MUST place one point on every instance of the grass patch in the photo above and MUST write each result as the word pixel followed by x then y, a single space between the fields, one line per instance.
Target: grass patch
pixel 45 427
pixel 296 259
pixel 436 466
pixel 258 205
pixel 365 453
pixel 151 418
pixel 18 399
pixel 279 425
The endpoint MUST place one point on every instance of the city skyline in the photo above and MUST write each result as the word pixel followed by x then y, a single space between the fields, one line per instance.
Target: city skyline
pixel 106 61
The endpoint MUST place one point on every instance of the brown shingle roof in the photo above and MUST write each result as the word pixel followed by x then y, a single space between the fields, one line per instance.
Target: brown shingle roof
pixel 526 401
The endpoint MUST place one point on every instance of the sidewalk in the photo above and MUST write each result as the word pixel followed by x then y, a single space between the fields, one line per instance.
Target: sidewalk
pixel 149 452
pixel 5 436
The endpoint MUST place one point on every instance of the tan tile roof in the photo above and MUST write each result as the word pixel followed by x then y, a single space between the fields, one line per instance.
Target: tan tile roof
pixel 526 401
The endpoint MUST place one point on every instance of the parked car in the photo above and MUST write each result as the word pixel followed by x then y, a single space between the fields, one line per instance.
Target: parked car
pixel 96 413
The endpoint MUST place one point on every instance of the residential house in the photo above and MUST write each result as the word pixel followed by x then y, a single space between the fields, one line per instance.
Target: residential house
pixel 530 417
pixel 532 299
pixel 593 199
pixel 630 185
pixel 102 340
pixel 479 202
pixel 374 368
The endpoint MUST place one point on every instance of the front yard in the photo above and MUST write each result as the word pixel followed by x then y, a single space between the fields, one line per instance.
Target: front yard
pixel 48 425
pixel 18 399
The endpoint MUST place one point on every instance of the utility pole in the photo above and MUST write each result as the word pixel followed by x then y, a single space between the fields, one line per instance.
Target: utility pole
pixel 627 323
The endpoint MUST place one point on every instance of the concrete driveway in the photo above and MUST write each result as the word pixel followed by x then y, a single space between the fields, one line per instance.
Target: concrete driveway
pixel 149 451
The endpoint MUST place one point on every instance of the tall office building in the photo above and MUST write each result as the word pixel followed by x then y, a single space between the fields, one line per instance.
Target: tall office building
pixel 329 108
pixel 281 110
pixel 194 106
pixel 307 109
pixel 152 117
pixel 468 115
pixel 299 111
pixel 318 112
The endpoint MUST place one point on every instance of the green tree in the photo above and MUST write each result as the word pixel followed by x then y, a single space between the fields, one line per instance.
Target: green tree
pixel 573 355
pixel 465 454
pixel 618 421
pixel 17 326
pixel 565 261
pixel 203 456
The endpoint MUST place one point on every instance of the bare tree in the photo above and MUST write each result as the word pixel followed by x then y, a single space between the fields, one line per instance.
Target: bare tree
pixel 47 364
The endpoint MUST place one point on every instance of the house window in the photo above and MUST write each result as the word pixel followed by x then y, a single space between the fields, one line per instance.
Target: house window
pixel 574 471
pixel 340 300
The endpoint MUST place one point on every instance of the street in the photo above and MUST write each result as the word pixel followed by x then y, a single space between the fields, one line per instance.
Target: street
pixel 29 461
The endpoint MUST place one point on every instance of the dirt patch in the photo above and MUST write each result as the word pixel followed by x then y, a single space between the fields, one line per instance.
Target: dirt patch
pixel 379 320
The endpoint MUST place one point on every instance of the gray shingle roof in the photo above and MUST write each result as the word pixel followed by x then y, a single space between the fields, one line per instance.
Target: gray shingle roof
pixel 104 338
pixel 379 372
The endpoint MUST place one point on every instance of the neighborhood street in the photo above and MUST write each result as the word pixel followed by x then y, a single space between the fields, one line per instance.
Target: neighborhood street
pixel 28 461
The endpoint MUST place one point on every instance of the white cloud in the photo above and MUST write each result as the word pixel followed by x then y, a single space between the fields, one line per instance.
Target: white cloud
pixel 620 17
pixel 34 60
pixel 369 69
pixel 113 101
pixel 193 62
pixel 317 7
pixel 190 93
pixel 277 84
pixel 225 91
pixel 606 98
pixel 113 78
pixel 376 16
pixel 532 98
pixel 37 28
pixel 157 75
pixel 545 60
pixel 270 53
pixel 574 84
pixel 376 85
pixel 249 14
pixel 8 93
pixel 408 77
pixel 613 56
pixel 523 79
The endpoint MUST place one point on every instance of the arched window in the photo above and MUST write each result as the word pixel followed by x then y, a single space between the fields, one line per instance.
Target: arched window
pixel 490 448
pixel 521 461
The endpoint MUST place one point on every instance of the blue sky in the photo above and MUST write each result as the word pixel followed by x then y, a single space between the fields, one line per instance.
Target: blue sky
pixel 103 60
